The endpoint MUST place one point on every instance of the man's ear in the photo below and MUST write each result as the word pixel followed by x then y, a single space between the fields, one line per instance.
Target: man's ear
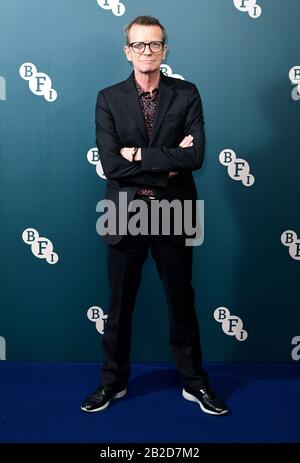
pixel 127 52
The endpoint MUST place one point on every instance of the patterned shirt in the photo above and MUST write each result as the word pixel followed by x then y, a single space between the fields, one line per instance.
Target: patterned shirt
pixel 148 104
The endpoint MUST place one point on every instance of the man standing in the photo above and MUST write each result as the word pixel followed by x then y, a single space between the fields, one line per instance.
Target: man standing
pixel 150 135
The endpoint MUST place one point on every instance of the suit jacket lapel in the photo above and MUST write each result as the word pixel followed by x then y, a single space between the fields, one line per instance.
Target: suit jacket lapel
pixel 134 108
pixel 164 98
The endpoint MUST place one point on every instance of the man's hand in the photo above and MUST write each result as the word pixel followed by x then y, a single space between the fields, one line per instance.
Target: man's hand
pixel 127 152
pixel 185 143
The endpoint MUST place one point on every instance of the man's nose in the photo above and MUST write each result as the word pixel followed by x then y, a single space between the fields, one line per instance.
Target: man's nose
pixel 147 49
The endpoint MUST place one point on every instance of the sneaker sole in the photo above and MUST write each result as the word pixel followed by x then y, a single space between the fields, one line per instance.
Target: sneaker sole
pixel 192 398
pixel 116 396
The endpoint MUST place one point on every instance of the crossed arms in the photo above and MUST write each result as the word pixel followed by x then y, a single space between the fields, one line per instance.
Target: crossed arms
pixel 157 163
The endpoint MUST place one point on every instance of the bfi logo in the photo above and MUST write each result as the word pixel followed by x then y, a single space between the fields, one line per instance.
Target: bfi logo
pixel 290 239
pixel 117 8
pixel 2 89
pixel 41 247
pixel 95 314
pixel 39 83
pixel 294 75
pixel 93 157
pixel 167 71
pixel 248 6
pixel 2 348
pixel 231 324
pixel 237 168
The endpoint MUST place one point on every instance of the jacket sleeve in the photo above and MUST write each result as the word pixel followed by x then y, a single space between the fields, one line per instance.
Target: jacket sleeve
pixel 175 159
pixel 109 145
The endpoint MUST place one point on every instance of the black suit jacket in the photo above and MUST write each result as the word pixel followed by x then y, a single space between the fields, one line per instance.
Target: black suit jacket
pixel 120 123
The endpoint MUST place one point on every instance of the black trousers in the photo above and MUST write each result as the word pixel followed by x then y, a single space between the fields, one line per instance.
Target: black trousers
pixel 174 264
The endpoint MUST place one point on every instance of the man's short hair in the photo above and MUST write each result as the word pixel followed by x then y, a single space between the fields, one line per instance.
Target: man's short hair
pixel 144 21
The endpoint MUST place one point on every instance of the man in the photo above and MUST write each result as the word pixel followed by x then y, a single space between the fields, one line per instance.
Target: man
pixel 149 131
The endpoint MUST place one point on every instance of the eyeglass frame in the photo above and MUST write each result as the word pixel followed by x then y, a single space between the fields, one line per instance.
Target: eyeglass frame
pixel 145 46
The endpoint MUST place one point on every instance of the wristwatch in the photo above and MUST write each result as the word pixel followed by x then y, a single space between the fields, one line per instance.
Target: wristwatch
pixel 134 151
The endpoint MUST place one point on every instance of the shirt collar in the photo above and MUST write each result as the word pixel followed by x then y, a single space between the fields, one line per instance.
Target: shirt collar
pixel 141 91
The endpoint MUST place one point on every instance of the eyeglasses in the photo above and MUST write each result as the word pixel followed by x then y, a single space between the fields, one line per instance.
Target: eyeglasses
pixel 139 47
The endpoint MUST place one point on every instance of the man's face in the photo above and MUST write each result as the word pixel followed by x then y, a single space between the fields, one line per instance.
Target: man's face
pixel 147 61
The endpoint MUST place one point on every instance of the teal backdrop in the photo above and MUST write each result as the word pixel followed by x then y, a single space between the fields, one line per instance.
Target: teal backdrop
pixel 241 67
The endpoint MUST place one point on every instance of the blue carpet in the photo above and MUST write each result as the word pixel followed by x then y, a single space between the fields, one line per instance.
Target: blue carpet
pixel 41 403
